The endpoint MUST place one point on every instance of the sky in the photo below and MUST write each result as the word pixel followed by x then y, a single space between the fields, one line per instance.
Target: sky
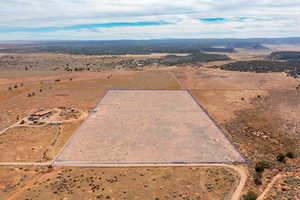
pixel 147 19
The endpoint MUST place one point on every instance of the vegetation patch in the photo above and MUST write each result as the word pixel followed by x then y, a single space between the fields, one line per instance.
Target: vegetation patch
pixel 290 68
pixel 293 56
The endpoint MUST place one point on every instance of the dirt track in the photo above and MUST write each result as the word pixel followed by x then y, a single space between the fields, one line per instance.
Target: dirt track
pixel 221 93
pixel 17 124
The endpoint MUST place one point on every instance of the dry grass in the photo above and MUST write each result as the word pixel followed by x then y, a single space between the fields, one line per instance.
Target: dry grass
pixel 275 115
pixel 117 183
pixel 38 144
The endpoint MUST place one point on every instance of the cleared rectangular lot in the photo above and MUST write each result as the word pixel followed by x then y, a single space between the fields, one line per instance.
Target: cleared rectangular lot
pixel 148 127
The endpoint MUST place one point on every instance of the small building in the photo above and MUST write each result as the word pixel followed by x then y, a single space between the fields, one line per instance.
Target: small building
pixel 55 123
pixel 42 113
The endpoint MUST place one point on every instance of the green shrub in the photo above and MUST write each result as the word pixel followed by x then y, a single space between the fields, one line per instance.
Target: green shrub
pixel 257 181
pixel 290 155
pixel 280 157
pixel 250 196
pixel 261 166
pixel 257 178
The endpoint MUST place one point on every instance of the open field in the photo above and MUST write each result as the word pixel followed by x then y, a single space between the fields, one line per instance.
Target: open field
pixel 161 126
pixel 287 186
pixel 205 78
pixel 117 183
pixel 38 144
pixel 83 93
pixel 258 112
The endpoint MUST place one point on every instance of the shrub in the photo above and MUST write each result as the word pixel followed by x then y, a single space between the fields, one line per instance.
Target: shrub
pixel 290 155
pixel 261 166
pixel 257 178
pixel 250 196
pixel 257 181
pixel 280 157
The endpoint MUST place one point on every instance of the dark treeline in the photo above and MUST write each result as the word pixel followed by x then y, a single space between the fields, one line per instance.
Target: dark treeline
pixel 119 47
pixel 291 56
pixel 193 58
pixel 291 68
pixel 172 60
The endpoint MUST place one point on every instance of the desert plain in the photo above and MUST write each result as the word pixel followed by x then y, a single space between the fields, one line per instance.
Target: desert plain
pixel 257 112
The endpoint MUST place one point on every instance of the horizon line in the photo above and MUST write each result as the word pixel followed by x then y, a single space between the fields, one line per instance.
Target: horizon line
pixel 213 38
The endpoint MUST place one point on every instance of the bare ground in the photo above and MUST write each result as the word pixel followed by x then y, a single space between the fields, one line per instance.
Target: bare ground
pixel 118 183
pixel 259 112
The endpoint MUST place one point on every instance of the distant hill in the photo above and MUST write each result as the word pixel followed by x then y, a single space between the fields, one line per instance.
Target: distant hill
pixel 119 47
pixel 291 56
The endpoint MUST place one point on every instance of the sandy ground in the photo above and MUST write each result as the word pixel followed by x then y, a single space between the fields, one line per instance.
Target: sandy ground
pixel 205 78
pixel 117 183
pixel 285 186
pixel 258 112
pixel 283 47
pixel 82 92
pixel 38 144
pixel 172 128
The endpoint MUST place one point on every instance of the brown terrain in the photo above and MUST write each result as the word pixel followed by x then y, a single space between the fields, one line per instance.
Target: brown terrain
pixel 171 128
pixel 259 113
pixel 117 183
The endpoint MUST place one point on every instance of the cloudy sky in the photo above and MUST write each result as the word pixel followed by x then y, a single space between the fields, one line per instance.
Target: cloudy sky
pixel 147 19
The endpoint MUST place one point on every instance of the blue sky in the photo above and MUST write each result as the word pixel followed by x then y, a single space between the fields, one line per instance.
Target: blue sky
pixel 147 19
pixel 80 27
pixel 213 19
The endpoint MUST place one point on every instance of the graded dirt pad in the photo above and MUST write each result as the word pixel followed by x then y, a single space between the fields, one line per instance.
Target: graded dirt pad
pixel 148 127
pixel 161 183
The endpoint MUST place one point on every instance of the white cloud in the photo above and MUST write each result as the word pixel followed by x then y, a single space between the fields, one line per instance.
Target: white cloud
pixel 265 18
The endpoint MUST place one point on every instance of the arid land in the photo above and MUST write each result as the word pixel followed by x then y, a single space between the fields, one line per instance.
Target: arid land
pixel 258 112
